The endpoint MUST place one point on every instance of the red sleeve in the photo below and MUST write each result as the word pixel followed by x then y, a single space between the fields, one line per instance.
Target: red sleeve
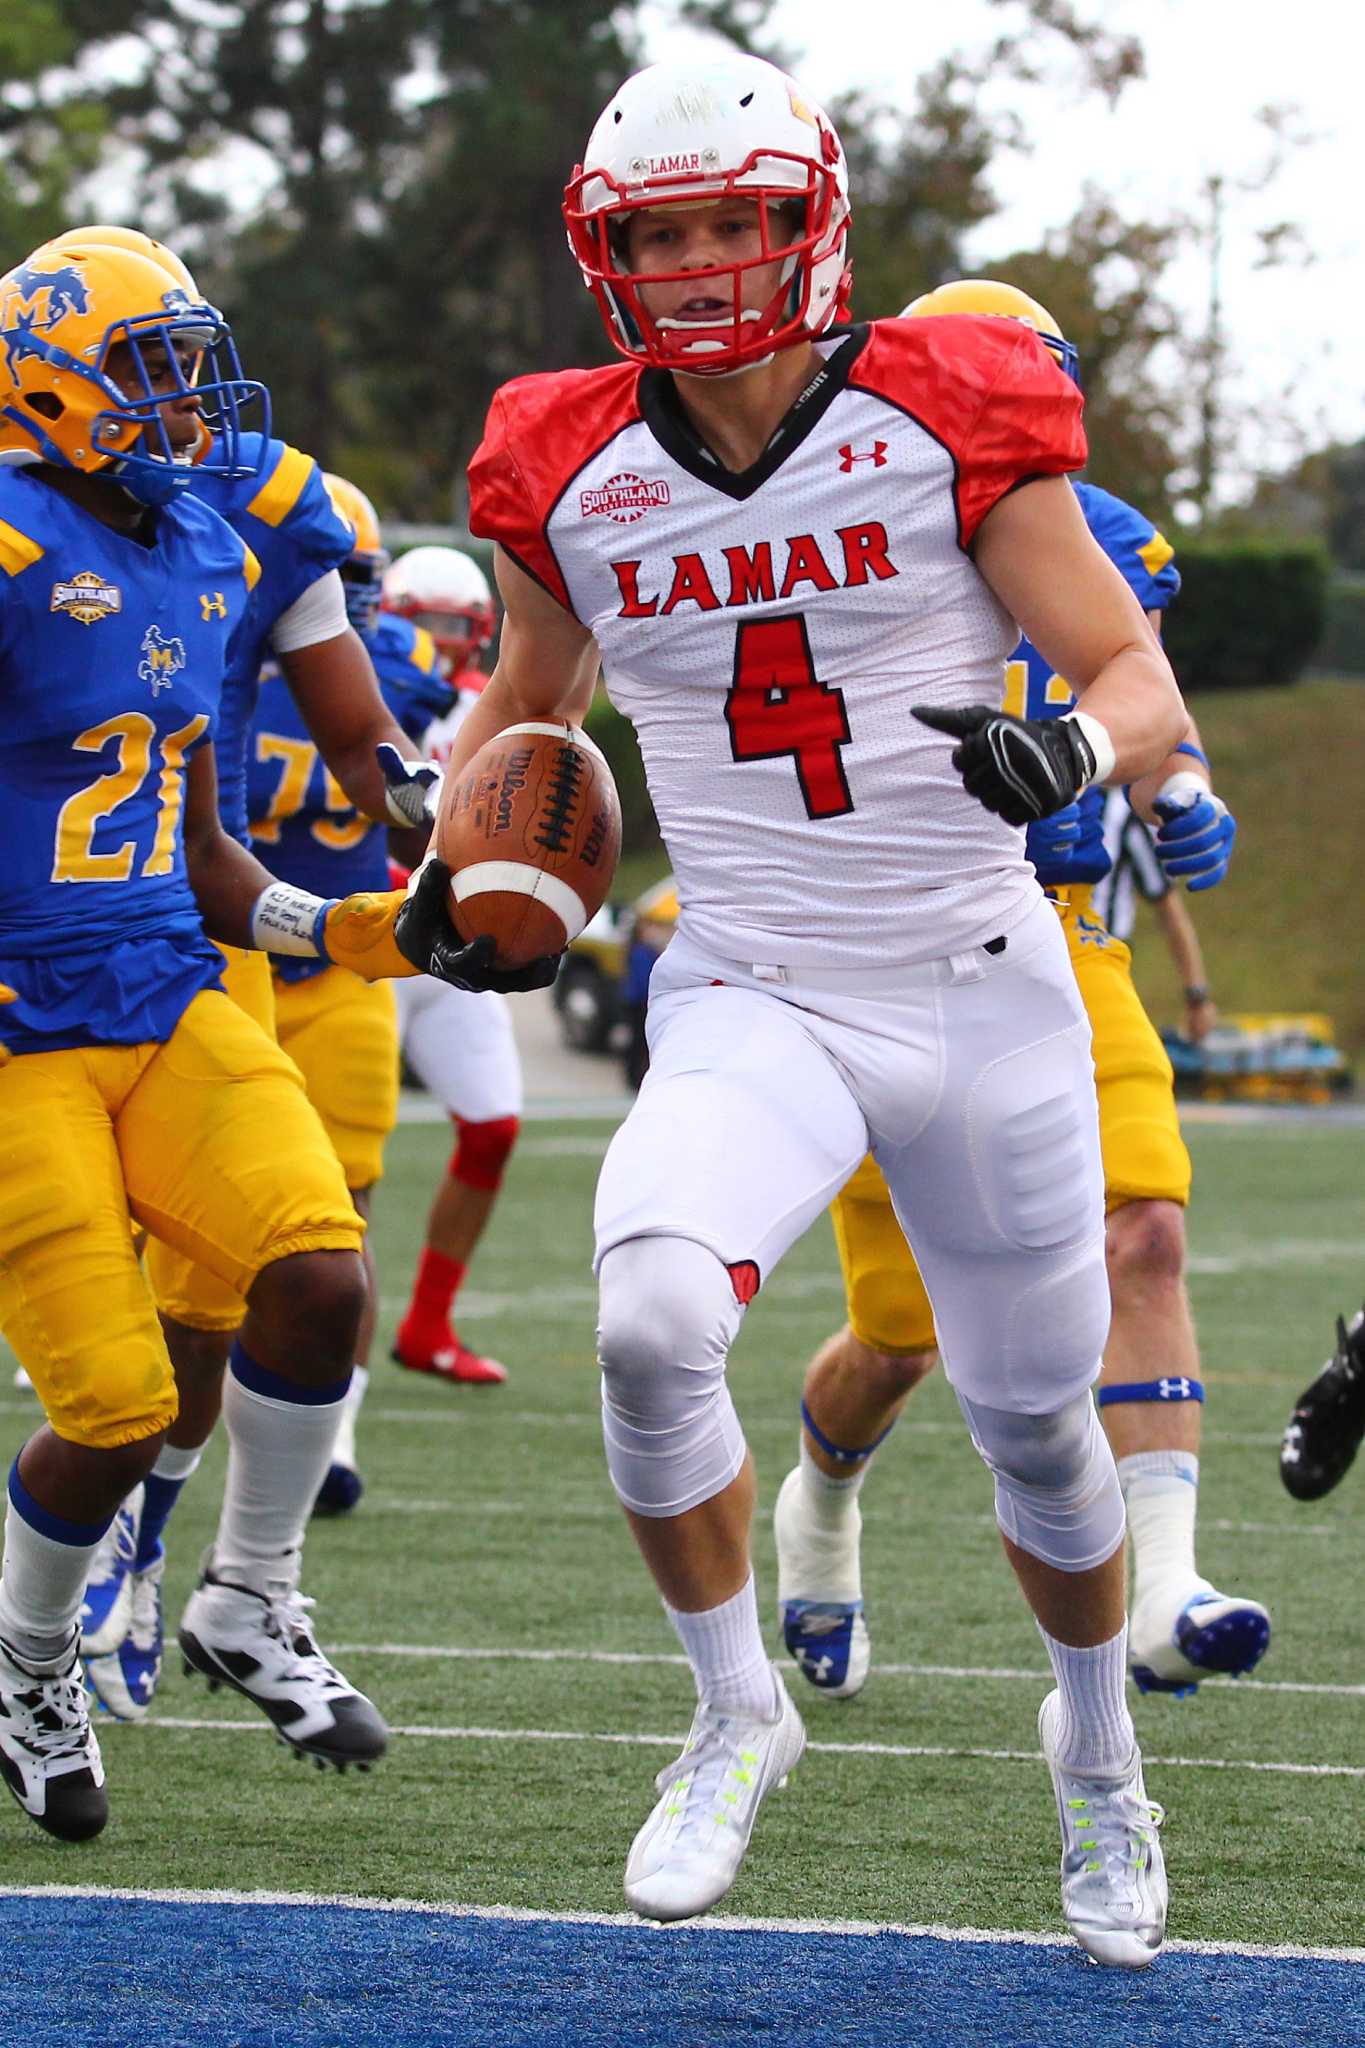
pixel 989 391
pixel 540 433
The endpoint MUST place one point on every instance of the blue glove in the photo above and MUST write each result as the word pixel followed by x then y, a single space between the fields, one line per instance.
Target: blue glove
pixel 1194 844
pixel 412 788
pixel 1052 841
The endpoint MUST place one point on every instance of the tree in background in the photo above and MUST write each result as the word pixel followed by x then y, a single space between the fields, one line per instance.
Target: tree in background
pixel 53 125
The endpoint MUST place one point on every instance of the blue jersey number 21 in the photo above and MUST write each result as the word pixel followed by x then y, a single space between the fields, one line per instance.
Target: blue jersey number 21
pixel 74 858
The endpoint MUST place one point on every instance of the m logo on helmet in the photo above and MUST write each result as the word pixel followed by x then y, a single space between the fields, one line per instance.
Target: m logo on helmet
pixel 162 660
pixel 36 300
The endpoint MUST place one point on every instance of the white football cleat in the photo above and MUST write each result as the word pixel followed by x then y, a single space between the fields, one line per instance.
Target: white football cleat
pixel 1113 1872
pixel 49 1755
pixel 1174 1642
pixel 820 1593
pixel 688 1853
pixel 108 1602
pixel 251 1631
pixel 124 1680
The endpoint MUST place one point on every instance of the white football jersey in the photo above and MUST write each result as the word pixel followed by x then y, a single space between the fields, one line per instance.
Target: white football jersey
pixel 767 633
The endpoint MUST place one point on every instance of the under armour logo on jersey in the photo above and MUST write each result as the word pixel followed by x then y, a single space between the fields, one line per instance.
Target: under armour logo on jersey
pixel 212 607
pixel 163 659
pixel 848 455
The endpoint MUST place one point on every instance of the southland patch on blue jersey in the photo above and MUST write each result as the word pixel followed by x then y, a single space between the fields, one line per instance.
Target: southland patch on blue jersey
pixel 112 657
pixel 1146 560
pixel 303 825
pixel 289 522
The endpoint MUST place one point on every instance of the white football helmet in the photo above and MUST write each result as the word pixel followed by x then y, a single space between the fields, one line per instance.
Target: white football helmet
pixel 714 129
pixel 446 591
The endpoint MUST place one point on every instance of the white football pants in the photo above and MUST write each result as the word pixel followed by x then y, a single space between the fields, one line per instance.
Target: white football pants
pixel 971 1081
pixel 459 1044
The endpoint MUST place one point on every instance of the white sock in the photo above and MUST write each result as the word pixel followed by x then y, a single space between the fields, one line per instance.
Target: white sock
pixel 41 1591
pixel 176 1464
pixel 1161 1494
pixel 1094 1727
pixel 278 1454
pixel 829 1501
pixel 725 1648
pixel 343 1450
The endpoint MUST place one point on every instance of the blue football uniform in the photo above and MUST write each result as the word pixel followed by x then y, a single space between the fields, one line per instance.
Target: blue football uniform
pixel 303 825
pixel 112 657
pixel 405 661
pixel 1145 559
pixel 289 522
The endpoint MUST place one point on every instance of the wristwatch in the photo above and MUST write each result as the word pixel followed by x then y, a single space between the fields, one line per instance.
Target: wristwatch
pixel 1196 993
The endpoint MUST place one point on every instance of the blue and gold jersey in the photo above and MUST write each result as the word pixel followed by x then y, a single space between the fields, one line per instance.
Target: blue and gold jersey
pixel 304 827
pixel 112 657
pixel 409 673
pixel 289 522
pixel 1146 561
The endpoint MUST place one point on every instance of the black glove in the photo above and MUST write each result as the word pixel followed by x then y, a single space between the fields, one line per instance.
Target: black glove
pixel 1023 769
pixel 424 934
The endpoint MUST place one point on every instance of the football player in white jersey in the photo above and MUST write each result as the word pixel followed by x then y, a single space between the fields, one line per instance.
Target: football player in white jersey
pixel 784 538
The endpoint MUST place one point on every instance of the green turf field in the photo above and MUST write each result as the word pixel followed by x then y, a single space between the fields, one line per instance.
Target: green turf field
pixel 489 1527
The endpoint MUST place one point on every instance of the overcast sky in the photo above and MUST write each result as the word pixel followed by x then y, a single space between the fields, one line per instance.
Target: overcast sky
pixel 1211 64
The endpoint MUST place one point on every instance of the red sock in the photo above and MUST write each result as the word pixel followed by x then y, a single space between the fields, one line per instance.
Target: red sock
pixel 433 1293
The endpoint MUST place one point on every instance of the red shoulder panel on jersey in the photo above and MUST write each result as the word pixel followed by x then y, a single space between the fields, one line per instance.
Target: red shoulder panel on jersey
pixel 541 431
pixel 988 391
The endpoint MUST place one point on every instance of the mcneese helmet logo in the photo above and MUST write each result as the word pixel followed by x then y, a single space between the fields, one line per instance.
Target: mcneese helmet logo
pixel 86 597
pixel 162 659
pixel 36 300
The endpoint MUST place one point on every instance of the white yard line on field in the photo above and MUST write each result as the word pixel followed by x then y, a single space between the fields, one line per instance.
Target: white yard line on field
pixel 714 1923
pixel 424 1731
pixel 468 1654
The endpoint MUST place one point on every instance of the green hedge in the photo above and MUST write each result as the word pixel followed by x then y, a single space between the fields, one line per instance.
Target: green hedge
pixel 1249 615
pixel 1341 651
pixel 616 737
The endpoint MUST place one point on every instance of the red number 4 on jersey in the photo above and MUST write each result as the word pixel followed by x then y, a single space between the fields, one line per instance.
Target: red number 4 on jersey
pixel 778 705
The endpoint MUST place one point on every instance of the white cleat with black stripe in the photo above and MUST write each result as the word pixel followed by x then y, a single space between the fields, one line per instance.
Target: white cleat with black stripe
pixel 49 1757
pixel 248 1627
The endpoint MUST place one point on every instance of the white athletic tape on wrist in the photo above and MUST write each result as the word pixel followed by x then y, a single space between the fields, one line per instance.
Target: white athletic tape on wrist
pixel 1184 787
pixel 289 920
pixel 1099 742
pixel 494 877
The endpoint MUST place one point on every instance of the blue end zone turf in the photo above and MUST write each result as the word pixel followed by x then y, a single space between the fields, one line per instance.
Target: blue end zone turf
pixel 131 1973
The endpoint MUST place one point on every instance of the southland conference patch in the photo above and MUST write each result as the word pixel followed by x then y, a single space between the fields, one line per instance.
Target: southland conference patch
pixel 87 597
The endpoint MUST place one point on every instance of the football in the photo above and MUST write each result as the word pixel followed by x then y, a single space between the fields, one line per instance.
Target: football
pixel 531 831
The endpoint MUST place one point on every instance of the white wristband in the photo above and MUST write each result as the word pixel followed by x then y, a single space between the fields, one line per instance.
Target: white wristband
pixel 1099 742
pixel 289 920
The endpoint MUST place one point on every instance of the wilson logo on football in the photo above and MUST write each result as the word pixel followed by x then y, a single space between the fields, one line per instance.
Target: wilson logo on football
pixel 624 498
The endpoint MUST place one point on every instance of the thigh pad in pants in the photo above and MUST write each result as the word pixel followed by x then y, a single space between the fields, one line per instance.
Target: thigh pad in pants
pixel 248 1176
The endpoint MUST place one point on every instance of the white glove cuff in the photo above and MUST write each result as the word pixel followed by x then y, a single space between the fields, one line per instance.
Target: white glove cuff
pixel 1099 742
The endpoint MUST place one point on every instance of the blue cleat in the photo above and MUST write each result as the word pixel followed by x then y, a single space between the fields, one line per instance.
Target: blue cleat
pixel 339 1491
pixel 829 1645
pixel 1212 1636
pixel 107 1606
pixel 124 1680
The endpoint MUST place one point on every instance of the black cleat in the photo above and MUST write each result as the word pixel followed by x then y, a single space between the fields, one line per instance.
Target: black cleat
pixel 258 1640
pixel 1324 1432
pixel 49 1756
